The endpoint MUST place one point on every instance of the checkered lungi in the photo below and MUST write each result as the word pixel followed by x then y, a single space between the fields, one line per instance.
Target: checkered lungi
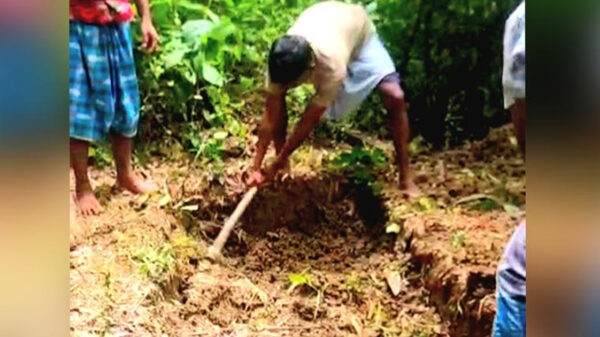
pixel 103 88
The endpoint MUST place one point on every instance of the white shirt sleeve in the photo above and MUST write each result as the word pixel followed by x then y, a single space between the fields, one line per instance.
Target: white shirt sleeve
pixel 513 72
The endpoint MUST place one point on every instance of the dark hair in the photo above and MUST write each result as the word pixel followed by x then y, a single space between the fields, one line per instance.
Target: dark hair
pixel 289 57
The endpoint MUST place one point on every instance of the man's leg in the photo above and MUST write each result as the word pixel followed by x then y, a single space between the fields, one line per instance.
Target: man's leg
pixel 88 204
pixel 393 100
pixel 126 178
pixel 517 113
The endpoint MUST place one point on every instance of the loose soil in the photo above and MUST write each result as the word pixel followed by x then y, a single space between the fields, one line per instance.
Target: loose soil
pixel 312 256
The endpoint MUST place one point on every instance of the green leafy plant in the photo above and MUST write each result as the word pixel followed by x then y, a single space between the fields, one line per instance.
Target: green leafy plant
pixel 156 263
pixel 211 65
pixel 426 204
pixel 449 54
pixel 355 285
pixel 458 239
pixel 361 165
pixel 101 154
pixel 300 279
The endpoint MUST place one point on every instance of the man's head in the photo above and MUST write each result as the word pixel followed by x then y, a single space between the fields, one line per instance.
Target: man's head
pixel 290 56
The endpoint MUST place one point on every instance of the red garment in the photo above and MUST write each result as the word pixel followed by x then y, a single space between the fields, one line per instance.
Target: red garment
pixel 100 11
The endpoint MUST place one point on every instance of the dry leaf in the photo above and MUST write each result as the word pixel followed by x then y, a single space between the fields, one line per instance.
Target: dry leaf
pixel 356 325
pixel 190 208
pixel 394 281
pixel 392 228
pixel 164 200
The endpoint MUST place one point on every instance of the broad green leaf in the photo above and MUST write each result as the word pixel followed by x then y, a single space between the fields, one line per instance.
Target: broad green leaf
pixel 252 54
pixel 198 62
pixel 193 30
pixel 195 142
pixel 199 9
pixel 211 75
pixel 174 57
pixel 184 74
pixel 162 14
pixel 189 73
pixel 221 31
pixel 246 82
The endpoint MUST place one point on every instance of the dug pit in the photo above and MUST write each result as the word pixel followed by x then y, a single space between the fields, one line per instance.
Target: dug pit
pixel 332 234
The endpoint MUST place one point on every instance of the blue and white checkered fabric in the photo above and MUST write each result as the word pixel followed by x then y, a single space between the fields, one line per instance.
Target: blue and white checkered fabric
pixel 103 88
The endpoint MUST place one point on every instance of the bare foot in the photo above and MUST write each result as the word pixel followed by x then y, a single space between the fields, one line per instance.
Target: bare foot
pixel 410 189
pixel 137 185
pixel 86 200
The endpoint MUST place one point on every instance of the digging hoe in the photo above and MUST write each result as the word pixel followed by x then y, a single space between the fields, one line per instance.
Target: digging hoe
pixel 214 251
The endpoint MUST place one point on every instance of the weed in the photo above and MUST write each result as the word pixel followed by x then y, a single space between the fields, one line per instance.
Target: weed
pixel 355 285
pixel 156 263
pixel 300 279
pixel 101 154
pixel 458 239
pixel 106 315
pixel 487 205
pixel 361 166
pixel 425 204
pixel 418 146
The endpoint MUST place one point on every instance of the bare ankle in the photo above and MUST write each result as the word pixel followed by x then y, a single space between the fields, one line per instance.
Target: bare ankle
pixel 123 178
pixel 83 185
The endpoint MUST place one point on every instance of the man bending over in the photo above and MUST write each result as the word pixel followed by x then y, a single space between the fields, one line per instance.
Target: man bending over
pixel 332 45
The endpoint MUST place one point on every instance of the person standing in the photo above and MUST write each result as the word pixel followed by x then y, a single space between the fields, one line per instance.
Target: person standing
pixel 510 320
pixel 103 89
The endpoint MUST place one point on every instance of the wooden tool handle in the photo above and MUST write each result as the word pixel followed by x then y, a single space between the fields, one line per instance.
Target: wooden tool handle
pixel 219 242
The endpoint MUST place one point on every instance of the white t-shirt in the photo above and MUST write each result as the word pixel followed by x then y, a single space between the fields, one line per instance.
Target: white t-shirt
pixel 335 31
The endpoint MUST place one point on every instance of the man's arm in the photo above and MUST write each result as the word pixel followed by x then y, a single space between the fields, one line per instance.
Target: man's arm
pixel 272 127
pixel 149 34
pixel 310 118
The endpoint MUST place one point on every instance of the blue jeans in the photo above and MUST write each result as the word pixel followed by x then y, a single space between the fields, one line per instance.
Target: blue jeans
pixel 510 317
